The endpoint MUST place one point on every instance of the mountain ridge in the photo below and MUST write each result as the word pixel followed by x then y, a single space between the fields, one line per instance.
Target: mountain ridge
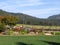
pixel 27 19
pixel 57 16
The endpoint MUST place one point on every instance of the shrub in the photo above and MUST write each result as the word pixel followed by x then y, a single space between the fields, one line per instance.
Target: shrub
pixel 24 31
pixel 57 33
pixel 2 27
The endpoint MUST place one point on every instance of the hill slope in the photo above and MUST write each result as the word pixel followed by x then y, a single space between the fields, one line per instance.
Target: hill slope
pixel 26 19
pixel 55 17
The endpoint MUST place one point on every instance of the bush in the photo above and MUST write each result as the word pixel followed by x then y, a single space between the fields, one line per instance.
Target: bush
pixel 2 27
pixel 41 33
pixel 11 32
pixel 24 31
pixel 57 33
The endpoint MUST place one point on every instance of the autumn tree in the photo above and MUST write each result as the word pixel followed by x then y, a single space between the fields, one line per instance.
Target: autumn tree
pixel 10 19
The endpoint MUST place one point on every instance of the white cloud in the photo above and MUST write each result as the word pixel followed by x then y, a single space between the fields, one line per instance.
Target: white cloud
pixel 46 10
pixel 29 3
pixel 16 5
pixel 43 12
pixel 33 0
pixel 21 3
pixel 12 5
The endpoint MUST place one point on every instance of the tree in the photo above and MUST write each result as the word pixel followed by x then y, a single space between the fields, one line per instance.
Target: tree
pixel 1 17
pixel 10 19
pixel 2 27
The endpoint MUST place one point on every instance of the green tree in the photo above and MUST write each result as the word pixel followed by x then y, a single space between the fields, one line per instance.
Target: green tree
pixel 2 27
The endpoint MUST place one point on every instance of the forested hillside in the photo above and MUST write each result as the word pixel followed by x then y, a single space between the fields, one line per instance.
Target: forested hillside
pixel 55 17
pixel 26 19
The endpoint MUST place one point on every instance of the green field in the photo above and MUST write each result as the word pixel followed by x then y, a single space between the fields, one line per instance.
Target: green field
pixel 29 40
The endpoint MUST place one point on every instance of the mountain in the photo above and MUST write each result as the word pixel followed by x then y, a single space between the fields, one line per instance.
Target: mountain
pixel 27 19
pixel 57 16
pixel 23 18
pixel 55 19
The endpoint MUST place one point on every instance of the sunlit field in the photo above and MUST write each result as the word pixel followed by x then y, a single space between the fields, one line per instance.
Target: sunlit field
pixel 29 40
pixel 40 27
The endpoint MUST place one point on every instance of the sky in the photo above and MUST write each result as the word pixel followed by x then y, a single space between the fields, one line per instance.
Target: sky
pixel 36 8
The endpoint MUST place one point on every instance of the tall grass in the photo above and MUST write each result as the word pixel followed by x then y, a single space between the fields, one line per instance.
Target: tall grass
pixel 38 26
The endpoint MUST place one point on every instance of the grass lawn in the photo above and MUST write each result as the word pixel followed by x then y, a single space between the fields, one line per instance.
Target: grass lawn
pixel 29 40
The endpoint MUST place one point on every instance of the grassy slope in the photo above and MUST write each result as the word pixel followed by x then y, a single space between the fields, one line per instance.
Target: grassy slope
pixel 30 40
